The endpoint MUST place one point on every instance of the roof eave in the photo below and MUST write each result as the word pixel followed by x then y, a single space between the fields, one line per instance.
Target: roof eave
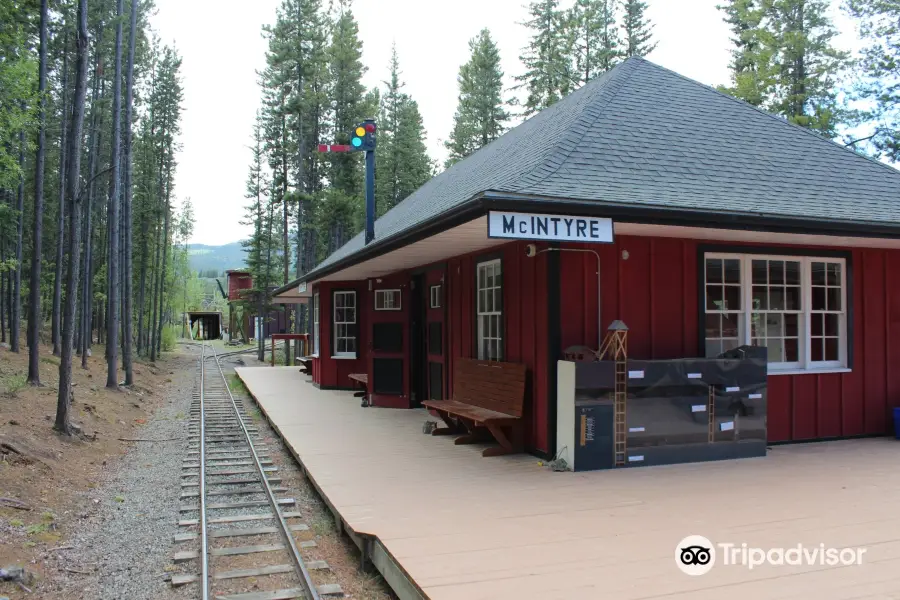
pixel 630 213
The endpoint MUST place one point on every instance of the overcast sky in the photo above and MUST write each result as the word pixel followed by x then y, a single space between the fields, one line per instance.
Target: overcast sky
pixel 222 49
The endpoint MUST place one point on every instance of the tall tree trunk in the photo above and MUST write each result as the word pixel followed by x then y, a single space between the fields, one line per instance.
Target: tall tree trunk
pixel 84 334
pixel 142 287
pixel 151 326
pixel 34 297
pixel 61 216
pixel 112 268
pixel 17 275
pixel 4 277
pixel 64 397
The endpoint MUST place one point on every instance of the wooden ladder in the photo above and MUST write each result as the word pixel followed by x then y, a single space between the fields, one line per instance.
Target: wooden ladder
pixel 619 401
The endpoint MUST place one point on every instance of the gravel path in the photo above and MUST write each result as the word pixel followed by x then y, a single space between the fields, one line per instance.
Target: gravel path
pixel 127 543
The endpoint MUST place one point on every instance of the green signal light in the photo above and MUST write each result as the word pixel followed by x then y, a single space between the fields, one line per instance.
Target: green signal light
pixel 357 142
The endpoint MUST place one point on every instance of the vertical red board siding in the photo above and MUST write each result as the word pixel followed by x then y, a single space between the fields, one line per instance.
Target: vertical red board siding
pixel 437 277
pixel 875 346
pixel 332 372
pixel 655 292
pixel 525 327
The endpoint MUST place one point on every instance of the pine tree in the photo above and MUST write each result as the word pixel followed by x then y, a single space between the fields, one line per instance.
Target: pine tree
pixel 785 61
pixel 878 22
pixel 751 66
pixel 347 110
pixel 112 311
pixel 480 111
pixel 402 159
pixel 596 47
pixel 637 28
pixel 548 68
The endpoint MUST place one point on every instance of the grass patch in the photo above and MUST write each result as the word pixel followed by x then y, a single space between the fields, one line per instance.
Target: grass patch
pixel 12 384
pixel 236 384
pixel 50 360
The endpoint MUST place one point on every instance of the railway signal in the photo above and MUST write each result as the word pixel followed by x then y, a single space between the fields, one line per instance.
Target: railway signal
pixel 362 139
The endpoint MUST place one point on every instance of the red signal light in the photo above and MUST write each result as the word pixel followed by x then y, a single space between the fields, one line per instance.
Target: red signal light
pixel 370 127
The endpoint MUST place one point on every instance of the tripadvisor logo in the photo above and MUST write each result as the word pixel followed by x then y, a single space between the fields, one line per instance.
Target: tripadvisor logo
pixel 696 555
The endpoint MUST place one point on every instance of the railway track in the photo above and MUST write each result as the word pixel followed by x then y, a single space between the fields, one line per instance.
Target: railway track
pixel 238 529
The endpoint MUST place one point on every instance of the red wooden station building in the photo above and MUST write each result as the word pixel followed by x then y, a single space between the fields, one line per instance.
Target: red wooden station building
pixel 701 222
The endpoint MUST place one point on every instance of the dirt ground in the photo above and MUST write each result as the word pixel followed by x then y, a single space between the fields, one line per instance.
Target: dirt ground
pixel 53 476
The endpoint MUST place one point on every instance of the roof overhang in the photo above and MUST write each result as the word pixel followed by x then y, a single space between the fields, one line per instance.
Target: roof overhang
pixel 463 229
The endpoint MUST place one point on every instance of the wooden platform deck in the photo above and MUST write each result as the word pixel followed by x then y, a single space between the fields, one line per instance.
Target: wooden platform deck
pixel 464 527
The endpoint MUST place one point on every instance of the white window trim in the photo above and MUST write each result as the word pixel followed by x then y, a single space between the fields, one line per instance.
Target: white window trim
pixel 316 308
pixel 479 337
pixel 391 308
pixel 435 296
pixel 805 365
pixel 334 353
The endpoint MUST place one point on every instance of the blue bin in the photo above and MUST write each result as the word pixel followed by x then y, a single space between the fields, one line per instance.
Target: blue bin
pixel 897 422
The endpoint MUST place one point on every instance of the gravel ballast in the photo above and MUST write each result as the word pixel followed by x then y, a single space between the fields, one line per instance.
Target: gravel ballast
pixel 127 544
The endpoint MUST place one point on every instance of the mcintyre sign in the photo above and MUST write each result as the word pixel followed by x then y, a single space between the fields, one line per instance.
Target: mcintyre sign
pixel 549 228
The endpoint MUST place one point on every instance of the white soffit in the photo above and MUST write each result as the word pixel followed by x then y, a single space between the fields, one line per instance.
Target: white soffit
pixel 468 237
pixel 762 237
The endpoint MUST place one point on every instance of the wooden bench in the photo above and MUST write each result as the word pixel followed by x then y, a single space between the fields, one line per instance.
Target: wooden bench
pixel 488 401
pixel 361 379
pixel 305 363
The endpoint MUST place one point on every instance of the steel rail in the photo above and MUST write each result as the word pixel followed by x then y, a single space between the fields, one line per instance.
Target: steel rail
pixel 204 558
pixel 305 580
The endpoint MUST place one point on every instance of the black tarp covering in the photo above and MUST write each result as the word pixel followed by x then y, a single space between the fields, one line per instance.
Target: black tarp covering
pixel 668 407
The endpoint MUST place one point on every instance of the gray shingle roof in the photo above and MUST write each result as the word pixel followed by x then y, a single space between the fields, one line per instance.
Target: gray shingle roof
pixel 645 136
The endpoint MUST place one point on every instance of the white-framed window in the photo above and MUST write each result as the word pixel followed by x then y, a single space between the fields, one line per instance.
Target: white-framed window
pixel 344 314
pixel 489 310
pixel 387 299
pixel 315 316
pixel 795 306
pixel 435 295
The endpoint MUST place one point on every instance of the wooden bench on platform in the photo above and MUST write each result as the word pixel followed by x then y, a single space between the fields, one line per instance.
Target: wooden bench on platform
pixel 305 363
pixel 488 401
pixel 361 379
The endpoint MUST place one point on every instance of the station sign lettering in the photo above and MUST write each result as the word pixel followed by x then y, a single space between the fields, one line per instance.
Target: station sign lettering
pixel 551 228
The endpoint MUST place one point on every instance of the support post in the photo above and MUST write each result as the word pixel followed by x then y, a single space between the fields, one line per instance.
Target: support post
pixel 370 195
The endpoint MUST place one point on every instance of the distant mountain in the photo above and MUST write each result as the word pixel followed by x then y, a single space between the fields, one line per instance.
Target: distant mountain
pixel 219 258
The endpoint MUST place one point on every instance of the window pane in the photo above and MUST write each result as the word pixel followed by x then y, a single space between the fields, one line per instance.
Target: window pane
pixel 831 349
pixel 792 299
pixel 732 271
pixel 481 271
pixel 834 273
pixel 818 298
pixel 351 315
pixel 774 325
pixel 351 344
pixel 832 325
pixel 815 322
pixel 498 299
pixel 714 270
pixel 791 325
pixel 775 350
pixel 729 344
pixel 816 350
pixel 497 267
pixel 776 271
pixel 339 300
pixel 834 298
pixel 730 325
pixel 488 301
pixel 339 315
pixel 713 348
pixel 341 345
pixel 791 350
pixel 714 299
pixel 760 298
pixel 760 275
pixel 732 297
pixel 776 298
pixel 713 325
pixel 792 272
pixel 817 275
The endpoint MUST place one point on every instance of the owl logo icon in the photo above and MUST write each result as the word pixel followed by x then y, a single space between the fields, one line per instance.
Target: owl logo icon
pixel 695 555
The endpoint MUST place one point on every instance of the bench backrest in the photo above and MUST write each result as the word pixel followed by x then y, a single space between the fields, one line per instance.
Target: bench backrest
pixel 498 386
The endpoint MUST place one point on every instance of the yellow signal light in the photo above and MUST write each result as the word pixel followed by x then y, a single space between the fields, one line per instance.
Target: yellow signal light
pixel 360 131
